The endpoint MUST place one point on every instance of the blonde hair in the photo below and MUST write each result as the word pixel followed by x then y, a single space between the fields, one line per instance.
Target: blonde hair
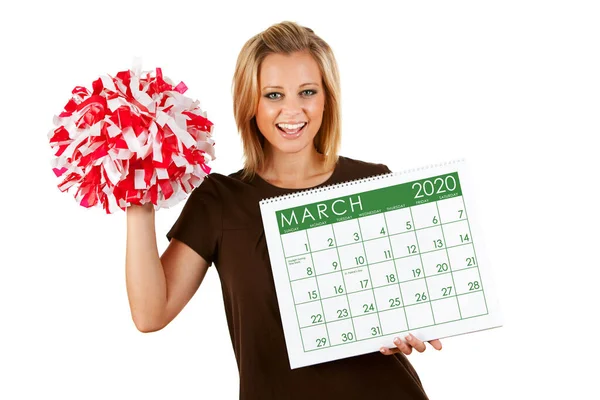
pixel 284 38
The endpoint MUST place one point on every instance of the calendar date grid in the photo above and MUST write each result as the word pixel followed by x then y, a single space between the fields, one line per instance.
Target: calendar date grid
pixel 354 279
pixel 350 315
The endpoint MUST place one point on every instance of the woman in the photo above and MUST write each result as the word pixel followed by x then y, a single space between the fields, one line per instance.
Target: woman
pixel 287 108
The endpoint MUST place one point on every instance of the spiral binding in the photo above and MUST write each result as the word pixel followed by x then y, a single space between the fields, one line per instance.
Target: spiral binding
pixel 307 192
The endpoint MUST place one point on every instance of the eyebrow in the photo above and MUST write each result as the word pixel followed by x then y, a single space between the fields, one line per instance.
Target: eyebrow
pixel 281 87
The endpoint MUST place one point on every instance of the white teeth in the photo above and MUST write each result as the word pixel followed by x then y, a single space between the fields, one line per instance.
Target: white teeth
pixel 291 126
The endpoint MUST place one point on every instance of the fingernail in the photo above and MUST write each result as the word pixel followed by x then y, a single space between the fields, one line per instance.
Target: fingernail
pixel 396 340
pixel 382 350
pixel 409 337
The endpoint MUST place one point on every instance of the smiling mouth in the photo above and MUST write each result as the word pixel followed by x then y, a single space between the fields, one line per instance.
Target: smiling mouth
pixel 291 129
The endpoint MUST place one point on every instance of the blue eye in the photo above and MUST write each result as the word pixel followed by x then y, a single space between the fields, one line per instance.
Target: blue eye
pixel 308 92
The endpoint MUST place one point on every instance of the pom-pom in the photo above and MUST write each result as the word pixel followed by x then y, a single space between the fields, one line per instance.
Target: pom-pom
pixel 133 139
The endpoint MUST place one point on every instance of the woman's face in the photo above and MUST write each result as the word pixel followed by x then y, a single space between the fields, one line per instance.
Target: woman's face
pixel 292 101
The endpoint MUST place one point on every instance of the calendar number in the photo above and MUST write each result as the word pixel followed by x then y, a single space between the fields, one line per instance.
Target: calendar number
pixel 347 337
pixel 356 237
pixel 364 283
pixel 412 249
pixel 416 272
pixel 390 278
pixel 368 307
pixel 408 226
pixel 375 331
pixel 470 261
pixel 321 342
pixel 438 243
pixel 421 296
pixel 474 285
pixel 382 231
pixel 442 267
pixel 435 220
pixel 360 260
pixel 306 246
pixel 309 271
pixel 460 213
pixel 338 289
pixel 343 313
pixel 388 254
pixel 428 188
pixel 464 238
pixel 312 294
pixel 316 319
pixel 330 241
pixel 395 302
pixel 334 264
pixel 446 291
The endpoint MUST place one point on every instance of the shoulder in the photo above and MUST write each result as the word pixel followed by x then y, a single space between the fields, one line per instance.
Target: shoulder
pixel 221 187
pixel 217 183
pixel 234 199
pixel 361 167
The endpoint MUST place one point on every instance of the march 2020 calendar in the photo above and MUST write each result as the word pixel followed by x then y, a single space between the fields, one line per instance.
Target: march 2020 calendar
pixel 359 263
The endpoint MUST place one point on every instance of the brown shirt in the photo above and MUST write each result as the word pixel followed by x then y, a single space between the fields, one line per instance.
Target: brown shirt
pixel 221 221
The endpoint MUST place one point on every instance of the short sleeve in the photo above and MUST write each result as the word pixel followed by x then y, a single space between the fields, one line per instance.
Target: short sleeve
pixel 378 169
pixel 200 225
pixel 384 169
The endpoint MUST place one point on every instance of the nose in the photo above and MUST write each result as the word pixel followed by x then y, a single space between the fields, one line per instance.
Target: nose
pixel 291 106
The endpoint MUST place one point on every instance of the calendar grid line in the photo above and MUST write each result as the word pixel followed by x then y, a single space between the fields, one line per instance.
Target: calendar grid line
pixel 448 256
pixel 408 330
pixel 343 280
pixel 421 258
pixel 393 308
pixel 396 308
pixel 370 277
pixel 395 268
pixel 292 292
pixel 380 287
pixel 318 289
pixel 475 254
pixel 378 262
pixel 413 229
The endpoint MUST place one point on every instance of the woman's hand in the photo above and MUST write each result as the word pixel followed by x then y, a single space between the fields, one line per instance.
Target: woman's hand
pixel 411 343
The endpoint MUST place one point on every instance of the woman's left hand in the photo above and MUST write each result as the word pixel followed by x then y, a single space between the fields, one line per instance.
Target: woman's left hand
pixel 411 343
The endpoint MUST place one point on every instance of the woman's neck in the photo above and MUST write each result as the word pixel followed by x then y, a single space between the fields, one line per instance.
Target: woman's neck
pixel 294 170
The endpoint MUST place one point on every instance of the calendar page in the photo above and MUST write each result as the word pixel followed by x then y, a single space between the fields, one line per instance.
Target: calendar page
pixel 359 263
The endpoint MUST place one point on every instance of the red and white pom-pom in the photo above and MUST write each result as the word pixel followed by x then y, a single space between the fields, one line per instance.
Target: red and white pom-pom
pixel 133 139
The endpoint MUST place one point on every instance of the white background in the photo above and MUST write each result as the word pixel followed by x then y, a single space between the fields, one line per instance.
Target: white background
pixel 513 86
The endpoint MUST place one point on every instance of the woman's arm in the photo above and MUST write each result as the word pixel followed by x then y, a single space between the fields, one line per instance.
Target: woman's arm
pixel 157 287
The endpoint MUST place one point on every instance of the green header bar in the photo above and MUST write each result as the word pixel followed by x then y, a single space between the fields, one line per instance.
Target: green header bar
pixel 371 202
